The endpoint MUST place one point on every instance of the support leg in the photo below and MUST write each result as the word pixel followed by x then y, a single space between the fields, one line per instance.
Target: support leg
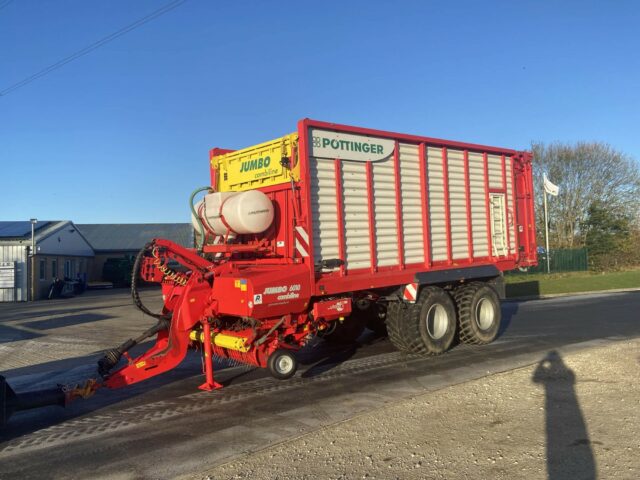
pixel 210 383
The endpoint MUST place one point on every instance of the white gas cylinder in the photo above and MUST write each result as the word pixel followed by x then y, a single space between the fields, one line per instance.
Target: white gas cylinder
pixel 244 212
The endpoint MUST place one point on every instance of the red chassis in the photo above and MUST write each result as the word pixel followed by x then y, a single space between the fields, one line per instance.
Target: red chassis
pixel 199 304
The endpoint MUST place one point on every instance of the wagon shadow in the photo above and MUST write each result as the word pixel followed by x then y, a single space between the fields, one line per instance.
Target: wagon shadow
pixel 509 311
pixel 179 381
pixel 324 356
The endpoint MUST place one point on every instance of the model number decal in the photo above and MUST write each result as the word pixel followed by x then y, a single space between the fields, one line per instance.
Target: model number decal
pixel 284 292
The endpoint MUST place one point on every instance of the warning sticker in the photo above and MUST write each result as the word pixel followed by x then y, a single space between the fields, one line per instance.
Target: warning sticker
pixel 241 284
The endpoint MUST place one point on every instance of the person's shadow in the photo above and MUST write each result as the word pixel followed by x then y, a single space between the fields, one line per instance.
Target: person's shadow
pixel 569 453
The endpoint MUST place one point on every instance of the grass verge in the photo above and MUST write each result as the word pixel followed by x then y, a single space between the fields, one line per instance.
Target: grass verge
pixel 570 282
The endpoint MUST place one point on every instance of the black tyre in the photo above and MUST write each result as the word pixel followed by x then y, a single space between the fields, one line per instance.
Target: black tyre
pixel 430 323
pixel 347 330
pixel 282 364
pixel 394 321
pixel 479 313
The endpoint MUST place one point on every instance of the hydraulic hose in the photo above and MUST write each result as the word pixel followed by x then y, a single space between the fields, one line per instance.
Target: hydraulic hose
pixel 196 216
pixel 135 274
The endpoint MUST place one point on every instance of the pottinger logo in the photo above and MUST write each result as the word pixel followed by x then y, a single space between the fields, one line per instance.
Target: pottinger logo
pixel 349 146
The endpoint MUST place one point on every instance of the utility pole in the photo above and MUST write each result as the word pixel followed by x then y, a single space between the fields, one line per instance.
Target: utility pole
pixel 546 232
pixel 551 189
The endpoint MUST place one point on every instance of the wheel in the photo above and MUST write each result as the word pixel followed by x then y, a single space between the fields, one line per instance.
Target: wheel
pixel 429 325
pixel 395 320
pixel 282 364
pixel 479 313
pixel 347 330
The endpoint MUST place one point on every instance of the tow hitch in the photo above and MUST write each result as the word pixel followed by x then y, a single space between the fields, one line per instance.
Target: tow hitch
pixel 11 402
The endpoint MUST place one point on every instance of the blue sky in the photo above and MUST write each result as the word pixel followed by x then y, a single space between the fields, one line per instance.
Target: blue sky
pixel 122 134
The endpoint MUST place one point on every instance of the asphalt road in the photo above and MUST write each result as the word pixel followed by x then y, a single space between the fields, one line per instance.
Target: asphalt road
pixel 166 427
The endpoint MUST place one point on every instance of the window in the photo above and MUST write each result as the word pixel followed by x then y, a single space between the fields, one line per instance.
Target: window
pixel 67 268
pixel 54 268
pixel 43 269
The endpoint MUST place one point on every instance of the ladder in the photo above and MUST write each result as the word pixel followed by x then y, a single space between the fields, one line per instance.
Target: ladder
pixel 498 225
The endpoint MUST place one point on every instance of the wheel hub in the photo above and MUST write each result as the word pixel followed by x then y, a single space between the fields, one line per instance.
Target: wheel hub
pixel 437 321
pixel 284 365
pixel 485 314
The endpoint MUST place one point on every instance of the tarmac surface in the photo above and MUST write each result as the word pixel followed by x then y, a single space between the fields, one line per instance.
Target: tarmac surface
pixel 165 427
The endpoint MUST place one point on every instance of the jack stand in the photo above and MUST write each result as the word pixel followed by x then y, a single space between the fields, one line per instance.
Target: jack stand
pixel 210 383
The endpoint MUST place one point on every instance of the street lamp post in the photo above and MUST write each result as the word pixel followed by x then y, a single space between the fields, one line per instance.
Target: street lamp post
pixel 33 237
pixel 33 257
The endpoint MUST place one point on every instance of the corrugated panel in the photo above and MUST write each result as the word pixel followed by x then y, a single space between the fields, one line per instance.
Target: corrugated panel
pixel 457 205
pixel 384 199
pixel 15 253
pixel 356 211
pixel 356 208
pixel 437 215
pixel 510 208
pixel 324 210
pixel 411 201
pixel 495 171
pixel 478 205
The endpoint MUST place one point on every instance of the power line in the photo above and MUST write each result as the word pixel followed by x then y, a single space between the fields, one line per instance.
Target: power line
pixel 152 16
pixel 5 3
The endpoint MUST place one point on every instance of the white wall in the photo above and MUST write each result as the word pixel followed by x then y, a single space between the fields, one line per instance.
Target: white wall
pixel 17 254
pixel 66 241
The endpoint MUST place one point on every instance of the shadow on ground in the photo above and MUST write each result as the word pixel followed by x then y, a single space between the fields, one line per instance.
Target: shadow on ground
pixel 523 289
pixel 509 311
pixel 66 321
pixel 569 453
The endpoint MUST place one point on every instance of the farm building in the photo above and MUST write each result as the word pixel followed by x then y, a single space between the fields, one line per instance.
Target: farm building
pixel 124 240
pixel 33 254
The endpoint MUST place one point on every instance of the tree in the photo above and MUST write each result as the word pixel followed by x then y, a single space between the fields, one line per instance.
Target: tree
pixel 589 173
pixel 607 237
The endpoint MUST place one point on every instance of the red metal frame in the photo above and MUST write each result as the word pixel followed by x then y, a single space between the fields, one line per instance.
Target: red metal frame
pixel 214 152
pixel 506 203
pixel 485 162
pixel 514 206
pixel 415 139
pixel 424 196
pixel 361 279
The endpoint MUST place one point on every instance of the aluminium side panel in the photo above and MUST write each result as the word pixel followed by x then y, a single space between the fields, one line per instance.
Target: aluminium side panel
pixel 386 232
pixel 437 213
pixel 411 203
pixel 479 224
pixel 355 215
pixel 471 218
pixel 324 209
pixel 458 205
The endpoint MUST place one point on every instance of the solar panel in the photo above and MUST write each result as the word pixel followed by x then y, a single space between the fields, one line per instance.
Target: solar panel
pixel 19 229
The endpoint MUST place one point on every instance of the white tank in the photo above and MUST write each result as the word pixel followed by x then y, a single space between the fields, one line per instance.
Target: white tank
pixel 244 212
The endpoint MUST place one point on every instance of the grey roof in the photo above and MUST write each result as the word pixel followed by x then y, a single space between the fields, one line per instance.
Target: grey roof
pixel 21 228
pixel 133 236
